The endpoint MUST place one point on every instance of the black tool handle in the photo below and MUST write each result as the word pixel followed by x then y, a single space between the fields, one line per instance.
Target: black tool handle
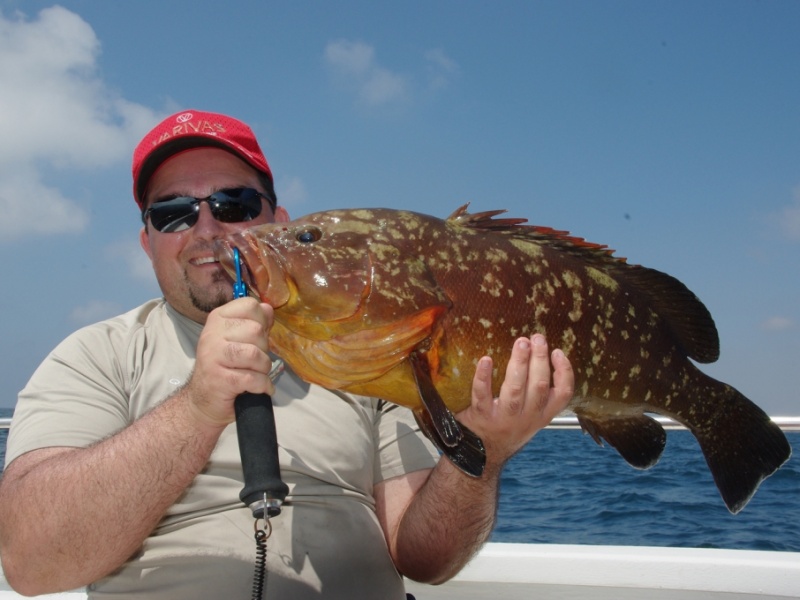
pixel 258 447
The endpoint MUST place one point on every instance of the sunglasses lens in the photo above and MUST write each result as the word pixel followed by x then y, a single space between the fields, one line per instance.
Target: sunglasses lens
pixel 227 206
pixel 236 205
pixel 174 215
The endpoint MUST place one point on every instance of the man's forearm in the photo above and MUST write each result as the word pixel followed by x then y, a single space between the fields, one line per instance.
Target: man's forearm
pixel 448 521
pixel 78 515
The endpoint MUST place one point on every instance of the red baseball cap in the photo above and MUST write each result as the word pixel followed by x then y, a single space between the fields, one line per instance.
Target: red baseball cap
pixel 193 129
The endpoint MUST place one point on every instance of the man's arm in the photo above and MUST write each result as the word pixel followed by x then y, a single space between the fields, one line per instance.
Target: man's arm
pixel 72 515
pixel 435 521
pixel 69 516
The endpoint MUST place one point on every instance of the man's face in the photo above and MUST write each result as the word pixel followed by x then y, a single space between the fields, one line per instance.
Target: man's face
pixel 191 280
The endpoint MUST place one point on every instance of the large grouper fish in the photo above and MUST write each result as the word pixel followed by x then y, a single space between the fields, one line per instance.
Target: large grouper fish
pixel 400 305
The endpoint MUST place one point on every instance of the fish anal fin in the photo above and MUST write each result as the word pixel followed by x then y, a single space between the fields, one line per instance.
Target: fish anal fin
pixel 639 439
pixel 469 454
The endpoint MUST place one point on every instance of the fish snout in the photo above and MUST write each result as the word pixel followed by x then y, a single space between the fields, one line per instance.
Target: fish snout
pixel 224 253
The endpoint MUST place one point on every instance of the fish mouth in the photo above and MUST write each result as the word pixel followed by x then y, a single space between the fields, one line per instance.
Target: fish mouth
pixel 223 252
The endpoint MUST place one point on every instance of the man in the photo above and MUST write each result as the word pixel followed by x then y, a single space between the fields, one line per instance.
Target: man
pixel 123 470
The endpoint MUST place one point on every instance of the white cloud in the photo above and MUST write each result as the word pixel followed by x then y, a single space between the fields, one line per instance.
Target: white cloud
pixel 356 64
pixel 353 58
pixel 137 263
pixel 54 213
pixel 292 192
pixel 777 324
pixel 94 311
pixel 56 112
pixel 789 218
pixel 441 68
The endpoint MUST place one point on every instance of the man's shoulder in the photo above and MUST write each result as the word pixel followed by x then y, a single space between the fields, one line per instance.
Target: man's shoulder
pixel 116 329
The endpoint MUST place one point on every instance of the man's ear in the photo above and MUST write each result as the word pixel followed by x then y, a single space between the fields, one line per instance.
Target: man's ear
pixel 144 241
pixel 281 216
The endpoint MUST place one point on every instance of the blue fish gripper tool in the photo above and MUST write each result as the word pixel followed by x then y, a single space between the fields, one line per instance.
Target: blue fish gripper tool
pixel 264 491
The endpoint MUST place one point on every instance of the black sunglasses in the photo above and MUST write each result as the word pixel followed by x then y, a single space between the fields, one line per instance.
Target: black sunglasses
pixel 234 205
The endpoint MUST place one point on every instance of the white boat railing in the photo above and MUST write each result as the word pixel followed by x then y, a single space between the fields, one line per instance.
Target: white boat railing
pixel 522 571
pixel 571 422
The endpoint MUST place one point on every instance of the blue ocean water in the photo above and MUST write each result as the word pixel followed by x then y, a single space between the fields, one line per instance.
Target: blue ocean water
pixel 564 489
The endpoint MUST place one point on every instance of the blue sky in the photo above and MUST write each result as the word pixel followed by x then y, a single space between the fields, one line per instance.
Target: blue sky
pixel 668 130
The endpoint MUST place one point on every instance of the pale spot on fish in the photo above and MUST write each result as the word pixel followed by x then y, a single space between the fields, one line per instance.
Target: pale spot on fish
pixel 528 248
pixel 485 322
pixel 540 311
pixel 602 279
pixel 496 255
pixel 492 285
pixel 571 279
pixel 568 340
pixel 576 313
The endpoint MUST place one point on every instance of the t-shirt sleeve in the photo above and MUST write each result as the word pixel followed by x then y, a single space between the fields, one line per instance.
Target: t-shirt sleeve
pixel 401 446
pixel 75 398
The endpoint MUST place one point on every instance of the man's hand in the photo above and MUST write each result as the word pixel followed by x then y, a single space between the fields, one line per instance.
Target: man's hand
pixel 436 521
pixel 527 402
pixel 232 358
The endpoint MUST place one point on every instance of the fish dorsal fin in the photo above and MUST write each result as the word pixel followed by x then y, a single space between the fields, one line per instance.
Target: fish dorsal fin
pixel 687 316
pixel 689 319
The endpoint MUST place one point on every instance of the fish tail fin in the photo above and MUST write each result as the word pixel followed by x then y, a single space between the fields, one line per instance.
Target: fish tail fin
pixel 741 444
pixel 468 454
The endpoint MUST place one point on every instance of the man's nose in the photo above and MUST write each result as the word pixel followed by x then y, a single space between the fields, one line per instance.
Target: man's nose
pixel 207 226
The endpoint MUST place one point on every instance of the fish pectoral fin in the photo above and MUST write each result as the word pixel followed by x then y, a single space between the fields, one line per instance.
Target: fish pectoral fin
pixel 469 454
pixel 639 439
pixel 454 440
pixel 444 421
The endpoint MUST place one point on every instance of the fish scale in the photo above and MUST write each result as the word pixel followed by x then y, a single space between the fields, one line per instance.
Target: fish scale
pixel 400 305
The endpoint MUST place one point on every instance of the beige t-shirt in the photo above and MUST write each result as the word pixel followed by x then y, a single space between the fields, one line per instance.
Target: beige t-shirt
pixel 333 448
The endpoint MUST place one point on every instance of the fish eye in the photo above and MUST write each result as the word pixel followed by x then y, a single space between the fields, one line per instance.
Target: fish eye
pixel 308 236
